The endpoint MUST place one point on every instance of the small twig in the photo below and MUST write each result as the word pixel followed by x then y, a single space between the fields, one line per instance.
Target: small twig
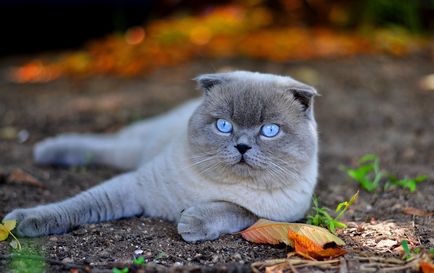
pixel 293 264
pixel 343 267
pixel 292 267
pixel 396 268
pixel 379 259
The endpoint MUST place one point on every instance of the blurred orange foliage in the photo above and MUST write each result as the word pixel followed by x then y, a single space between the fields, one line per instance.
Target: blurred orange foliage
pixel 225 31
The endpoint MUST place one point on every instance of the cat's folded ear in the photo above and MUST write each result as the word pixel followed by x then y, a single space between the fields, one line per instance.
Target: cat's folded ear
pixel 206 82
pixel 304 94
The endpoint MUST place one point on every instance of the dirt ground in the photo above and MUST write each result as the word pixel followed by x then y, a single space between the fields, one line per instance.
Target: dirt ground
pixel 369 104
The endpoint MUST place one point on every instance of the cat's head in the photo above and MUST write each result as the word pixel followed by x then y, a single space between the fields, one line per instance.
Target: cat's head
pixel 254 128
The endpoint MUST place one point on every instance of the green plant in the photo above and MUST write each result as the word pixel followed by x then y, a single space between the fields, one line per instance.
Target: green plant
pixel 123 270
pixel 407 252
pixel 29 259
pixel 410 253
pixel 139 261
pixel 322 217
pixel 368 174
pixel 136 261
pixel 409 183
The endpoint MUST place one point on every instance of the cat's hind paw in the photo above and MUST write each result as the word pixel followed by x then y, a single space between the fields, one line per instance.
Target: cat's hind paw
pixel 67 150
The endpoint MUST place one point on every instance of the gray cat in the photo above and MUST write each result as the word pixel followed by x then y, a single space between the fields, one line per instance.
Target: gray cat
pixel 246 149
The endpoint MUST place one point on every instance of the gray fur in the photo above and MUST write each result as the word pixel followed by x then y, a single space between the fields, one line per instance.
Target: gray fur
pixel 186 171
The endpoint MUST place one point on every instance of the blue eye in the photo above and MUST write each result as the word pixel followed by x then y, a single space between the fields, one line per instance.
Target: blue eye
pixel 270 130
pixel 223 125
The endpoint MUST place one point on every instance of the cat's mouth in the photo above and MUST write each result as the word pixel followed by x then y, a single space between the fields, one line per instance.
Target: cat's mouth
pixel 243 162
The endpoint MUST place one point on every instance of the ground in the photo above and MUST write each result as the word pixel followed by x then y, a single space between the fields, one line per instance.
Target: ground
pixel 368 104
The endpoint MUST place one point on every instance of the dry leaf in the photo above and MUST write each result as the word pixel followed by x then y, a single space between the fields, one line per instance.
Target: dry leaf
pixel 417 212
pixel 270 232
pixel 21 177
pixel 426 267
pixel 307 248
pixel 274 269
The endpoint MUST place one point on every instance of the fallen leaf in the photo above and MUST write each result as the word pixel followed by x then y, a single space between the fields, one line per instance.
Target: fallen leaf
pixel 279 268
pixel 417 212
pixel 5 228
pixel 310 249
pixel 270 232
pixel 21 177
pixel 426 267
pixel 387 243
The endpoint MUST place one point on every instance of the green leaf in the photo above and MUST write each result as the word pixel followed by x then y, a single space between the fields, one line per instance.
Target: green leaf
pixel 341 206
pixel 139 261
pixel 367 158
pixel 411 185
pixel 340 225
pixel 407 251
pixel 421 178
pixel 353 198
pixel 123 270
pixel 331 227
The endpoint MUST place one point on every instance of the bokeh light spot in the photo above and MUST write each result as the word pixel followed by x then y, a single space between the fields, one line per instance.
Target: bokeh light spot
pixel 135 35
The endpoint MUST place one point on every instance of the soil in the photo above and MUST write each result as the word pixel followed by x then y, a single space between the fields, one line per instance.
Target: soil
pixel 369 104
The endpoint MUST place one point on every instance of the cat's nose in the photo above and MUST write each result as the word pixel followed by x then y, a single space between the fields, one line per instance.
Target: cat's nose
pixel 242 148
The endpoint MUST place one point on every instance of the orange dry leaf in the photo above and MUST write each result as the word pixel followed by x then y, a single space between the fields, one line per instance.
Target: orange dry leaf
pixel 21 177
pixel 270 232
pixel 426 267
pixel 307 248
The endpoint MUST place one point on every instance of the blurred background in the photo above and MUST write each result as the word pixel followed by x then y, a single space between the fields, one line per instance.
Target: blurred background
pixel 135 37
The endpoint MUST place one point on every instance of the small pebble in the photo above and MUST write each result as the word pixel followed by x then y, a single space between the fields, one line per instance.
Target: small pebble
pixel 23 136
pixel 67 260
pixel 237 256
pixel 138 252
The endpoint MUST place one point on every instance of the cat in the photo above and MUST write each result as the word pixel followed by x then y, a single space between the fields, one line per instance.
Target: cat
pixel 246 149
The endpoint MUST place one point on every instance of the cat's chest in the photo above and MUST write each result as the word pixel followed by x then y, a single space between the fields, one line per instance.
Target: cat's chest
pixel 281 205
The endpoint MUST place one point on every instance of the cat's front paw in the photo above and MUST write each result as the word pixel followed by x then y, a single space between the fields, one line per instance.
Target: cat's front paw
pixel 194 226
pixel 34 222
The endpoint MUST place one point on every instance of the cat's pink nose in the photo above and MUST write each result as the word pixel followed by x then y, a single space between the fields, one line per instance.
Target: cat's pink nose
pixel 242 148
